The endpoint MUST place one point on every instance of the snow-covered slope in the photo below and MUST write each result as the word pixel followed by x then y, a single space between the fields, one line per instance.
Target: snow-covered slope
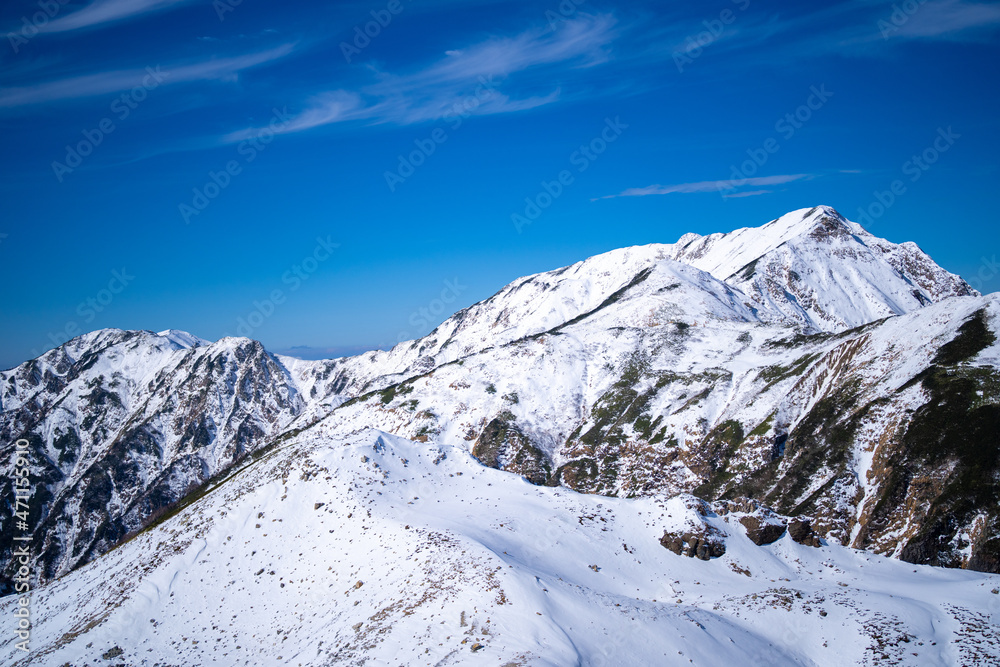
pixel 375 550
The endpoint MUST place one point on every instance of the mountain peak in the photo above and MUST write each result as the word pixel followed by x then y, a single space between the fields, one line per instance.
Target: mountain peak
pixel 821 270
pixel 183 338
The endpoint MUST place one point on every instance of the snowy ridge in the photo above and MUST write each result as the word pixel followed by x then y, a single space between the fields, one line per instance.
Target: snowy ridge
pixel 183 338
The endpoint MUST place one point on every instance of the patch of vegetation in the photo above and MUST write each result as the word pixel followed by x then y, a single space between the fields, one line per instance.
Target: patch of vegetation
pixel 775 374
pixel 973 337
pixel 491 388
pixel 956 430
pixel 762 428
pixel 646 427
pixel 748 270
pixel 716 450
pixel 799 340
pixel 512 397
pixel 581 475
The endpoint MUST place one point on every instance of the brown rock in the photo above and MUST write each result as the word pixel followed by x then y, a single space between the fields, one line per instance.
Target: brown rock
pixel 705 543
pixel 763 530
pixel 801 531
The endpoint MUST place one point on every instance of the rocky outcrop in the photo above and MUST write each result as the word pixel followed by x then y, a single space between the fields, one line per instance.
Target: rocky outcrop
pixel 800 530
pixel 503 446
pixel 762 525
pixel 704 542
pixel 695 537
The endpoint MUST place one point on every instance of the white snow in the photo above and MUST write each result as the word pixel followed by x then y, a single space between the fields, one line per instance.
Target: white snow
pixel 445 550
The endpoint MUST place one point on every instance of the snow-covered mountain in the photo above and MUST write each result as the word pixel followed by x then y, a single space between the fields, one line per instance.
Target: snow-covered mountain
pixel 806 364
pixel 124 423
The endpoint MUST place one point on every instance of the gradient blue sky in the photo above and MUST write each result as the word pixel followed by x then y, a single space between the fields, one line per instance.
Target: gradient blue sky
pixel 514 89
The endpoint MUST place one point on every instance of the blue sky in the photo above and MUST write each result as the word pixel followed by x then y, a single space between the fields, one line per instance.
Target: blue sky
pixel 271 170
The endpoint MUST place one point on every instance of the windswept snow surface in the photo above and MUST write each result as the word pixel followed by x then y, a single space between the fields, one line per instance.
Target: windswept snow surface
pixel 376 550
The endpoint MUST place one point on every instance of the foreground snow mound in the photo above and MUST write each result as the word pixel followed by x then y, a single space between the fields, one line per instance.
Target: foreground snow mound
pixel 372 549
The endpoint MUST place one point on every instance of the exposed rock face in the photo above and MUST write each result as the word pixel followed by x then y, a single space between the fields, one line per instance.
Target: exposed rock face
pixel 800 530
pixel 704 544
pixel 762 525
pixel 502 446
pixel 763 530
pixel 697 538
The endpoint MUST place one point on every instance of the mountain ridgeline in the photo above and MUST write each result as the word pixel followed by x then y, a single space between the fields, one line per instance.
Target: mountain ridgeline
pixel 805 364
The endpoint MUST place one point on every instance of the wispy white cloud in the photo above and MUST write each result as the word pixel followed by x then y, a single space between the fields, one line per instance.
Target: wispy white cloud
pixel 712 186
pixel 748 193
pixel 101 12
pixel 947 19
pixel 860 28
pixel 102 83
pixel 464 81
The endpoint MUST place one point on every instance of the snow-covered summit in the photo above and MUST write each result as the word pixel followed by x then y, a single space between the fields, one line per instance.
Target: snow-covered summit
pixel 183 338
pixel 818 270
